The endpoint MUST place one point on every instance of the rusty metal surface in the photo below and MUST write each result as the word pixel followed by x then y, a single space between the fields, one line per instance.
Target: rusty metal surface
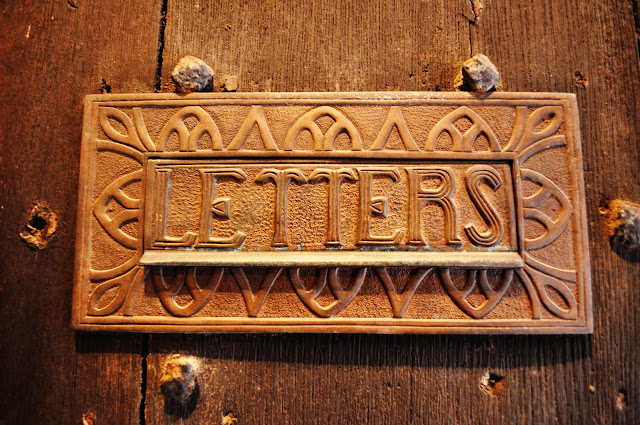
pixel 332 212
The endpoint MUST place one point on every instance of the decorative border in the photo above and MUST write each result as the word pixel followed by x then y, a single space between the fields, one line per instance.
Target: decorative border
pixel 532 110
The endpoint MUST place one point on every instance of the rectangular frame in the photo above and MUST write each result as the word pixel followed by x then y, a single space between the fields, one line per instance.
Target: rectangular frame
pixel 540 123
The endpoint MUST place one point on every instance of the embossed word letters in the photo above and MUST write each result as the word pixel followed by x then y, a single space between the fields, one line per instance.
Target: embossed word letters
pixel 334 212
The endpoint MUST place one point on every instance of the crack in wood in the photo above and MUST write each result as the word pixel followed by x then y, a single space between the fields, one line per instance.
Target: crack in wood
pixel 161 40
pixel 144 354
pixel 636 19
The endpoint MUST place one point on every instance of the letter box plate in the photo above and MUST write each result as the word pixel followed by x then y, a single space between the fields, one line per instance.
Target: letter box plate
pixel 332 212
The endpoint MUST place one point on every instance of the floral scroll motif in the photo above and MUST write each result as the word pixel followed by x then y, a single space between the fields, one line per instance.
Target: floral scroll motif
pixel 533 133
pixel 462 142
pixel 189 139
pixel 476 278
pixel 324 141
pixel 113 225
pixel 342 296
pixel 127 287
pixel 553 227
pixel 199 291
pixel 127 278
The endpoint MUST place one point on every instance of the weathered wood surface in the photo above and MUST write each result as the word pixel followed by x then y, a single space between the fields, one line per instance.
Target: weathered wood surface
pixel 538 46
pixel 54 53
pixel 53 375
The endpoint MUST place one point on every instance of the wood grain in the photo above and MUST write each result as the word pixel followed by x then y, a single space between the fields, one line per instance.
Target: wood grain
pixel 54 53
pixel 596 41
pixel 52 375
pixel 350 45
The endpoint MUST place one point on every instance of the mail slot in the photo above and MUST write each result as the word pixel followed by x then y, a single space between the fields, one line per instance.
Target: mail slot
pixel 416 207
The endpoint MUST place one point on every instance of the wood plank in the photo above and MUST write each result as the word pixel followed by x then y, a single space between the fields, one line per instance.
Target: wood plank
pixel 552 47
pixel 53 54
pixel 373 379
pixel 313 46
pixel 538 46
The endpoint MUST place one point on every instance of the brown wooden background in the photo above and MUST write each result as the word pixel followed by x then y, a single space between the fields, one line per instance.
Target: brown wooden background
pixel 52 53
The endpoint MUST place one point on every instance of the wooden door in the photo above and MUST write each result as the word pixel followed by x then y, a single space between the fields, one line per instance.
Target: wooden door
pixel 55 52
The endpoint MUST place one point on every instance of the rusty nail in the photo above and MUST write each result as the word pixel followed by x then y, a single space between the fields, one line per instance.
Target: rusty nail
pixel 179 385
pixel 478 74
